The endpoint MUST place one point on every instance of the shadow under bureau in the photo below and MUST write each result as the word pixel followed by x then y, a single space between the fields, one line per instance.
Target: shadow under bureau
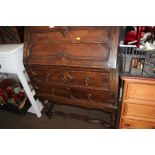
pixel 74 65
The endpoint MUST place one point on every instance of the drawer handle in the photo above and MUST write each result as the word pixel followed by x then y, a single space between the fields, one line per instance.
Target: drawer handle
pixel 69 76
pixel 68 88
pixel 33 73
pixel 47 77
pixel 53 92
pixel 72 97
pixel 89 98
pixel 87 79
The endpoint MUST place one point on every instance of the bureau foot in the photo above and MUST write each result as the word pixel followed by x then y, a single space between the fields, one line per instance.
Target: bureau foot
pixel 48 109
pixel 113 119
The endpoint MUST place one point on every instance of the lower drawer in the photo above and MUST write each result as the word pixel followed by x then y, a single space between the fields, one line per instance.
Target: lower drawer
pixel 139 110
pixel 75 93
pixel 91 95
pixel 78 102
pixel 136 124
pixel 75 96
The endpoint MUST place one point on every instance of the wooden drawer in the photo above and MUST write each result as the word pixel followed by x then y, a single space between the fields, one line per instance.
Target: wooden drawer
pixel 72 76
pixel 45 74
pixel 52 89
pixel 138 110
pixel 92 96
pixel 69 34
pixel 75 93
pixel 87 78
pixel 140 92
pixel 136 124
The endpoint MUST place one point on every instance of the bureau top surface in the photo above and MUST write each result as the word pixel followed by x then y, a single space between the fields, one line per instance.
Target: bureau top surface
pixel 9 48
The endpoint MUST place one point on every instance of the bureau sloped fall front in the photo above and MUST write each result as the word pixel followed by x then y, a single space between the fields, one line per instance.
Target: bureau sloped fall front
pixel 74 65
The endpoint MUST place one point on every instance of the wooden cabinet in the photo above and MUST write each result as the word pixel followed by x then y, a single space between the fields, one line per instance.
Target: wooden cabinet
pixel 74 65
pixel 138 105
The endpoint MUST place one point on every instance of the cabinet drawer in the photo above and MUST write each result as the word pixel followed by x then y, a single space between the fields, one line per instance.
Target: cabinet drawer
pixel 46 74
pixel 136 124
pixel 92 96
pixel 75 93
pixel 139 110
pixel 87 78
pixel 71 76
pixel 70 34
pixel 140 92
pixel 54 90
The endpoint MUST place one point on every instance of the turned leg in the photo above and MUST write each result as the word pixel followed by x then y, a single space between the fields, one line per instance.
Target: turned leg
pixel 113 119
pixel 49 111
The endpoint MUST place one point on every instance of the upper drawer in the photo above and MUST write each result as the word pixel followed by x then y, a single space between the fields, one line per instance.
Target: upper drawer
pixel 69 34
pixel 138 110
pixel 46 74
pixel 75 93
pixel 87 78
pixel 140 93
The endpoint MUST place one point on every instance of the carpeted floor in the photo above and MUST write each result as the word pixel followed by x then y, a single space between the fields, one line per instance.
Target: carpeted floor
pixel 10 120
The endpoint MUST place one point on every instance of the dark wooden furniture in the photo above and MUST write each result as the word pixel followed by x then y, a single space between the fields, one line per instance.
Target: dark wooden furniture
pixel 11 34
pixel 74 65
pixel 138 105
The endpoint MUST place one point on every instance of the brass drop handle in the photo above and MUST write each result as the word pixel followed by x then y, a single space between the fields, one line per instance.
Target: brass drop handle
pixel 69 76
pixel 53 91
pixel 33 73
pixel 72 97
pixel 89 97
pixel 47 77
pixel 68 88
pixel 87 79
